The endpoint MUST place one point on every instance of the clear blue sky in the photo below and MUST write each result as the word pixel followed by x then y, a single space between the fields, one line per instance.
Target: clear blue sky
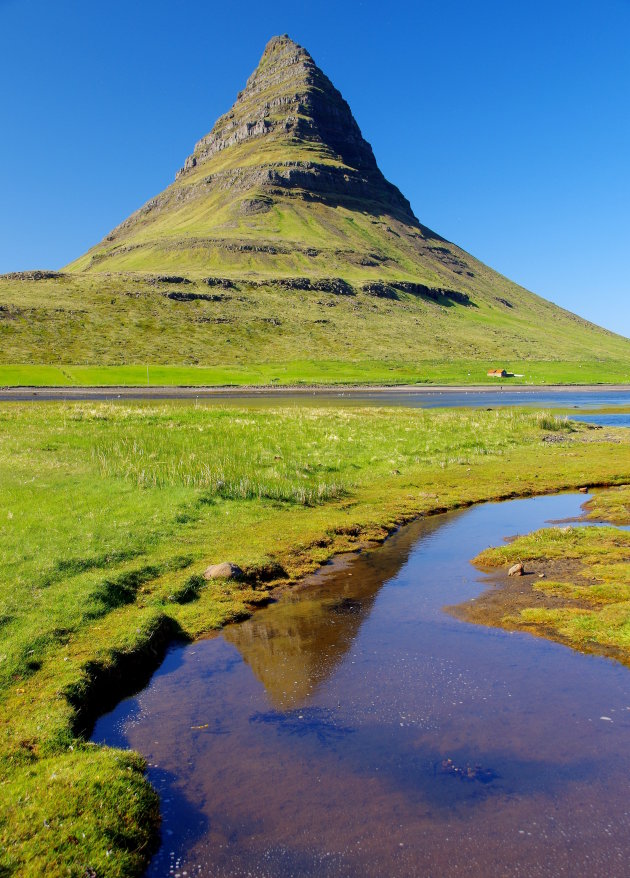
pixel 507 124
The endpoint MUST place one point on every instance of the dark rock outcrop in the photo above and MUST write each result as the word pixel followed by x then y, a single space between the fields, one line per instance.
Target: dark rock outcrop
pixel 38 274
pixel 169 279
pixel 380 290
pixel 435 293
pixel 223 282
pixel 177 296
pixel 335 285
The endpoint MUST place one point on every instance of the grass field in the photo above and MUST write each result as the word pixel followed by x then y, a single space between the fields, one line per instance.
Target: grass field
pixel 110 513
pixel 314 372
pixel 105 328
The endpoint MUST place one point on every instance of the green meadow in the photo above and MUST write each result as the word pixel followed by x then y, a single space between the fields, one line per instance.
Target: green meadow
pixel 314 372
pixel 106 329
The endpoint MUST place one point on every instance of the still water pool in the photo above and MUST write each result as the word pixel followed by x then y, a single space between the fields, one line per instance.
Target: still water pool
pixel 355 728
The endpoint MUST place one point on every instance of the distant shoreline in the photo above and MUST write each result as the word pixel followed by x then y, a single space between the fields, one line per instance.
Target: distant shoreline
pixel 166 392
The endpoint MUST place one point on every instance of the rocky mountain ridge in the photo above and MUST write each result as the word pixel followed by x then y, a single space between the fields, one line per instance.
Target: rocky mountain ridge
pixel 306 106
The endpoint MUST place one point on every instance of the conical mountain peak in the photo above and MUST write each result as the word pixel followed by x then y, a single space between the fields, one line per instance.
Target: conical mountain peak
pixel 291 113
pixel 289 141
pixel 308 251
pixel 288 96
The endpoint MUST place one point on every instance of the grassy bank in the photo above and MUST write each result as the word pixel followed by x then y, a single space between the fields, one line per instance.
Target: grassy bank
pixel 320 372
pixel 109 515
pixel 576 589
pixel 612 506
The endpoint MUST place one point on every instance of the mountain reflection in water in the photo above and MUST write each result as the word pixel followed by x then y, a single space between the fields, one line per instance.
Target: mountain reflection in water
pixel 298 642
pixel 355 730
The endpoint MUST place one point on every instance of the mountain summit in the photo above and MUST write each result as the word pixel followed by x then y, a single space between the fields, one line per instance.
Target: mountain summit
pixel 280 241
pixel 289 142
pixel 288 98
pixel 290 103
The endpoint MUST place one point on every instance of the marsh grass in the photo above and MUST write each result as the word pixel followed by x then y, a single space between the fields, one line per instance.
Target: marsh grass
pixel 305 456
pixel 587 544
pixel 553 423
pixel 612 505
pixel 587 584
pixel 91 493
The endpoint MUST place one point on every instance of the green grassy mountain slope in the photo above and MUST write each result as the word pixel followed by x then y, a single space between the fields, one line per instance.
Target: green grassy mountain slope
pixel 281 242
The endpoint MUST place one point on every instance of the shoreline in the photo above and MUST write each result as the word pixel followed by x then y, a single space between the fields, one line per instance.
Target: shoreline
pixel 134 669
pixel 34 393
pixel 133 672
pixel 565 594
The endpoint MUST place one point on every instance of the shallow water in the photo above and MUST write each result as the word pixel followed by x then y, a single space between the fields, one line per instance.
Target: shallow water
pixel 605 419
pixel 314 739
pixel 585 398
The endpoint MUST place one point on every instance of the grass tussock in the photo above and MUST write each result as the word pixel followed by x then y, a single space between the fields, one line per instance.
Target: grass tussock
pixel 583 597
pixel 613 506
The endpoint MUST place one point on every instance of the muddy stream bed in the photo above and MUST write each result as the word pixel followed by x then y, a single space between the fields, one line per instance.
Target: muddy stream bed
pixel 355 728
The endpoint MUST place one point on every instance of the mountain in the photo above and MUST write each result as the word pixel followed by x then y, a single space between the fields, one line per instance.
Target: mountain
pixel 280 240
pixel 286 164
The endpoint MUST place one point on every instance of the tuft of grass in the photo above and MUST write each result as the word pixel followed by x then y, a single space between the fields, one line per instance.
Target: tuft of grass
pixel 612 505
pixel 88 814
pixel 554 423
pixel 587 544
pixel 584 601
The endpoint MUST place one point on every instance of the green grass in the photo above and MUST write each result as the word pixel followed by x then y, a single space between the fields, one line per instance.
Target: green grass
pixel 584 598
pixel 91 328
pixel 258 331
pixel 587 544
pixel 109 513
pixel 613 506
pixel 305 373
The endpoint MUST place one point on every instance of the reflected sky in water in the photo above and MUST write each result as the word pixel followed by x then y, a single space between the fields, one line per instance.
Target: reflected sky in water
pixel 356 729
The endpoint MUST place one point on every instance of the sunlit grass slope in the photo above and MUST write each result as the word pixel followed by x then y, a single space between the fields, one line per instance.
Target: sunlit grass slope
pixel 263 333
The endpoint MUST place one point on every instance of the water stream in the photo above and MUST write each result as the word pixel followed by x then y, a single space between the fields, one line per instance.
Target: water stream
pixel 354 728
